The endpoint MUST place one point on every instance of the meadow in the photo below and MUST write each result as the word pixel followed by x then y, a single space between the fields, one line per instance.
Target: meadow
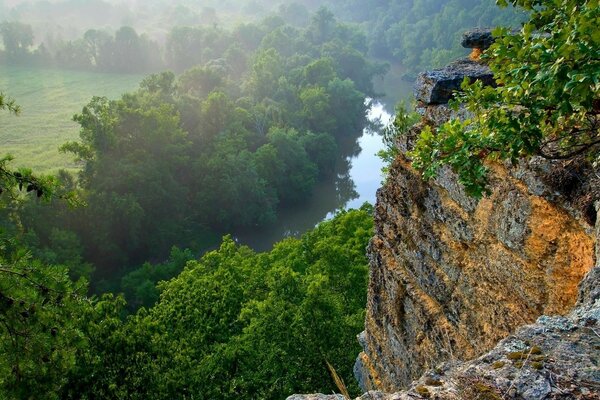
pixel 49 98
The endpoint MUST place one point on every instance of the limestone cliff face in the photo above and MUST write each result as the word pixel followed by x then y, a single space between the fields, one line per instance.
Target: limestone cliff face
pixel 451 276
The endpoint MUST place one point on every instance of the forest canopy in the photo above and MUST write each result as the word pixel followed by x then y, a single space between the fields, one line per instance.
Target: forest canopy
pixel 185 159
pixel 417 34
pixel 233 324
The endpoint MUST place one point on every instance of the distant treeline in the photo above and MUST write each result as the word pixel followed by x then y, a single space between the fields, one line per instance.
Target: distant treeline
pixel 124 51
pixel 417 34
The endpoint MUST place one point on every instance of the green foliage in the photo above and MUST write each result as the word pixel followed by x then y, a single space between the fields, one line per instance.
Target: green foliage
pixel 171 164
pixel 237 323
pixel 420 34
pixel 403 121
pixel 208 152
pixel 23 179
pixel 39 309
pixel 546 103
pixel 116 360
pixel 39 304
pixel 6 103
pixel 139 286
pixel 234 324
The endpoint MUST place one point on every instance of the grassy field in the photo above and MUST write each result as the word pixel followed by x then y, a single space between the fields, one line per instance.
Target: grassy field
pixel 49 98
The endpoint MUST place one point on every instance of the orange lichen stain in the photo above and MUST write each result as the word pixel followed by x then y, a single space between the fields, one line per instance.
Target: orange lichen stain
pixel 449 203
pixel 475 54
pixel 405 163
pixel 559 245
pixel 483 212
pixel 457 249
pixel 374 380
pixel 429 305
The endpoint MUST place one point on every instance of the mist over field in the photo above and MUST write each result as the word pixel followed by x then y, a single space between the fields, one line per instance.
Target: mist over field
pixel 65 20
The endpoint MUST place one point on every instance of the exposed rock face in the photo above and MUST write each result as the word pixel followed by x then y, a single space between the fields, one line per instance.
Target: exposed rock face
pixel 507 282
pixel 438 86
pixel 477 39
pixel 554 358
pixel 450 276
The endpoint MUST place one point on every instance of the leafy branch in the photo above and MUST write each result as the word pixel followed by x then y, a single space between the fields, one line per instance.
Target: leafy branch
pixel 546 103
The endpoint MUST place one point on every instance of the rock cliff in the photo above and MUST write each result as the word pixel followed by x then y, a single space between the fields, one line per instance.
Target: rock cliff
pixel 496 281
pixel 450 276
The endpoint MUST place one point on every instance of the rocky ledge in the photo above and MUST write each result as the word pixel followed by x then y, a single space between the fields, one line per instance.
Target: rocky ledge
pixel 439 85
pixel 477 39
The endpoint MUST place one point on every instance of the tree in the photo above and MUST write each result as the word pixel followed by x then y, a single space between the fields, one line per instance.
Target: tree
pixel 267 69
pixel 316 109
pixel 99 44
pixel 237 324
pixel 547 101
pixel 322 26
pixel 299 174
pixel 38 330
pixel 135 153
pixel 39 304
pixel 17 38
pixel 201 81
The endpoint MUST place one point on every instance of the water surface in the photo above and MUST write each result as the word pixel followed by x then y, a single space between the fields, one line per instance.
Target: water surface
pixel 358 178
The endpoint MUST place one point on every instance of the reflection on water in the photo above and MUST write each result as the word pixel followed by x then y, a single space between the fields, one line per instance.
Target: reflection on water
pixel 366 167
pixel 355 182
pixel 395 87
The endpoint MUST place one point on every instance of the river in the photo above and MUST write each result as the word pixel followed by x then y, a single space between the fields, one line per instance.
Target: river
pixel 358 178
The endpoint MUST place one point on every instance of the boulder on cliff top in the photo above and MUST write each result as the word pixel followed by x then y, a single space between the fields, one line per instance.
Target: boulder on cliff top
pixel 438 86
pixel 477 39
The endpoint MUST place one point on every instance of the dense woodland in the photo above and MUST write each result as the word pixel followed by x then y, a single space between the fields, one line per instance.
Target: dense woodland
pixel 233 324
pixel 224 145
pixel 180 162
pixel 117 282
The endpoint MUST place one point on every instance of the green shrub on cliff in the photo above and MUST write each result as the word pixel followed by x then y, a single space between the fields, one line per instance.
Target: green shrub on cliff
pixel 547 101
pixel 399 126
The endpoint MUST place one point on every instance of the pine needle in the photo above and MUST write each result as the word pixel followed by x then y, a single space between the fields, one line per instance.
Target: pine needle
pixel 339 382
